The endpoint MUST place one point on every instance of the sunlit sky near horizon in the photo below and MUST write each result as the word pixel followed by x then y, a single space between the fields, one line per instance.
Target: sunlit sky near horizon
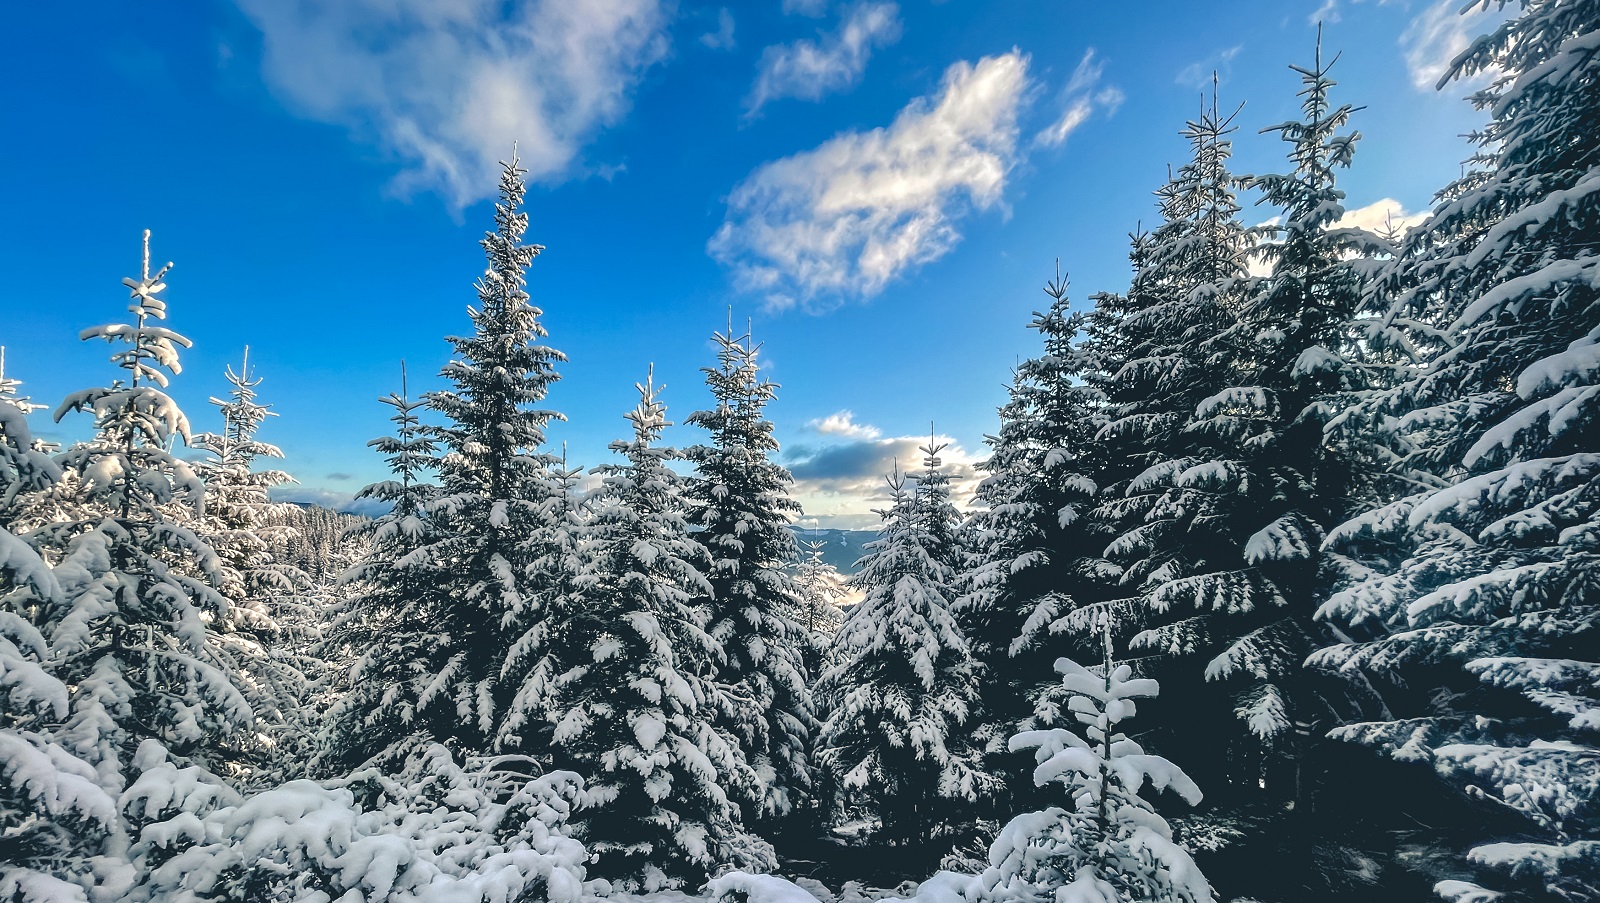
pixel 879 189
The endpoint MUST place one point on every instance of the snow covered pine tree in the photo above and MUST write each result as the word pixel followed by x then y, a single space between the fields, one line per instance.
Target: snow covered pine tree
pixel 1472 605
pixel 1111 845
pixel 482 522
pixel 635 711
pixel 134 630
pixel 739 500
pixel 904 683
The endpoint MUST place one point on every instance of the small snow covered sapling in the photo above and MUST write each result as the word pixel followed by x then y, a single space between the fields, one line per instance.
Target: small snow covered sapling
pixel 1111 845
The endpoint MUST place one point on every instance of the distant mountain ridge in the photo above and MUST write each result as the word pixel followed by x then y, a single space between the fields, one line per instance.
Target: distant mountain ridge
pixel 842 549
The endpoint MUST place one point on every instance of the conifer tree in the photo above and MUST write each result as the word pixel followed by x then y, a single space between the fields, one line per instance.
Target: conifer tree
pixel 386 625
pixel 53 812
pixel 904 683
pixel 135 629
pixel 237 500
pixel 1111 844
pixel 1033 560
pixel 820 587
pixel 634 713
pixel 741 506
pixel 1470 605
pixel 493 488
pixel 272 625
pixel 561 570
pixel 1228 514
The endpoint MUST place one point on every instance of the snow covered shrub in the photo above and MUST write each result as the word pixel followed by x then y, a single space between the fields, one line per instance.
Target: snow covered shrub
pixel 1111 845
pixel 436 832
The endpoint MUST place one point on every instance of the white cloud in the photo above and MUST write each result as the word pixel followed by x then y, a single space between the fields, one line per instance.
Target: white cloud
pixel 1198 74
pixel 722 38
pixel 812 8
pixel 864 207
pixel 448 86
pixel 1380 216
pixel 810 70
pixel 842 485
pixel 1081 98
pixel 842 423
pixel 1434 39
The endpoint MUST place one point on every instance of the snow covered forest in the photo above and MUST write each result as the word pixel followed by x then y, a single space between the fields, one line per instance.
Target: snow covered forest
pixel 1282 584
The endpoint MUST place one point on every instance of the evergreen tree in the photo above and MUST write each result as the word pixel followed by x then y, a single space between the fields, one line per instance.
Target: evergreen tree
pixel 386 625
pixel 494 486
pixel 1470 605
pixel 561 570
pixel 134 621
pixel 272 624
pixel 53 812
pixel 904 683
pixel 634 713
pixel 1111 844
pixel 741 506
pixel 1225 520
pixel 820 588
pixel 237 500
pixel 1033 561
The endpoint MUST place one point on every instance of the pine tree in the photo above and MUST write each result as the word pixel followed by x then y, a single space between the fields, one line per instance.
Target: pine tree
pixel 741 506
pixel 136 625
pixel 1033 559
pixel 272 626
pixel 904 683
pixel 386 625
pixel 820 588
pixel 635 715
pixel 561 571
pixel 53 812
pixel 492 497
pixel 1111 844
pixel 1225 521
pixel 237 500
pixel 1470 605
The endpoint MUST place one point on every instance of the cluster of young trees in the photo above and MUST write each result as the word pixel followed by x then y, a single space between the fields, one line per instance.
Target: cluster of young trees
pixel 1337 491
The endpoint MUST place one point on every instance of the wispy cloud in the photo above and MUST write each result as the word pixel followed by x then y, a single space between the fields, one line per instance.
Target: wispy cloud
pixel 813 8
pixel 842 423
pixel 1381 216
pixel 447 87
pixel 811 70
pixel 722 37
pixel 1198 73
pixel 1437 36
pixel 1082 98
pixel 845 218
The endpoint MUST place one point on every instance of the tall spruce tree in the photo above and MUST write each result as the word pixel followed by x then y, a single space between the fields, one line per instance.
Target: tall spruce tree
pixel 385 626
pixel 1470 605
pixel 1239 489
pixel 904 682
pixel 494 485
pixel 740 505
pixel 635 714
pixel 135 629
pixel 1033 560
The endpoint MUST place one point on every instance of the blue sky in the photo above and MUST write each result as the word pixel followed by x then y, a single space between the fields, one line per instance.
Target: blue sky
pixel 879 188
